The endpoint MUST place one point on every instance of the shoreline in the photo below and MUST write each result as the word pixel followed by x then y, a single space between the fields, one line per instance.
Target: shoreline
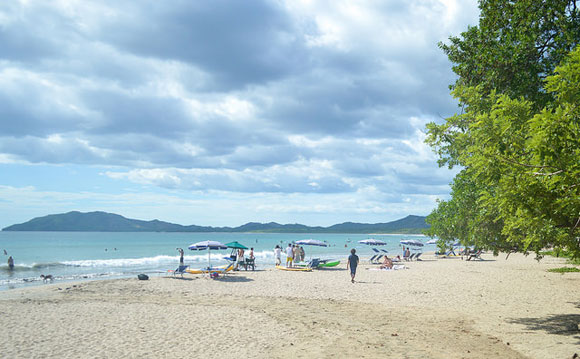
pixel 437 308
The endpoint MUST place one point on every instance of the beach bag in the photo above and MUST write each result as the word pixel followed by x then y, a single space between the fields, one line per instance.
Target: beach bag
pixel 214 275
pixel 143 277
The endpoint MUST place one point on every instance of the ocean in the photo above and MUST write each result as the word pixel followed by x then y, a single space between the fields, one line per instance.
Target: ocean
pixel 73 256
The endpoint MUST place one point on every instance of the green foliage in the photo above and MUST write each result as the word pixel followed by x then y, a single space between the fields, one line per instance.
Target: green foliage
pixel 516 44
pixel 559 253
pixel 564 270
pixel 517 142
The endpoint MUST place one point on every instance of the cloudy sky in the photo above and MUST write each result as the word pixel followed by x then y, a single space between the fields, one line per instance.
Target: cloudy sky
pixel 224 112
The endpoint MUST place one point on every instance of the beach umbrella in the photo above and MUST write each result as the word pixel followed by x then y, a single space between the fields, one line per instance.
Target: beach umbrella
pixel 209 245
pixel 372 242
pixel 412 242
pixel 311 242
pixel 236 245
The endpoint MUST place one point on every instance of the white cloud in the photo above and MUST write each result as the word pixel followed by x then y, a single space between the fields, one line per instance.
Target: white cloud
pixel 322 100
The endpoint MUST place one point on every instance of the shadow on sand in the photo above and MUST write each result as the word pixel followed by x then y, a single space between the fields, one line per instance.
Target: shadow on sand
pixel 559 324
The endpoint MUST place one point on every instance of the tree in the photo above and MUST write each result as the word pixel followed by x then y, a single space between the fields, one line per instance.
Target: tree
pixel 517 137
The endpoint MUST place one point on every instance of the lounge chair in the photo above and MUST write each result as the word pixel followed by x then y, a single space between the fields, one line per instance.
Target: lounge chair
pixel 180 270
pixel 378 259
pixel 220 271
pixel 372 260
pixel 411 257
pixel 250 263
pixel 474 255
pixel 417 256
pixel 314 263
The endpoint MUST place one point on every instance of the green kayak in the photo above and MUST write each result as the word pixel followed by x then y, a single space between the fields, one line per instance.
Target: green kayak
pixel 329 264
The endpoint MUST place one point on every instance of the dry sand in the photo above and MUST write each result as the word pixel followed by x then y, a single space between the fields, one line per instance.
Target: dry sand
pixel 437 308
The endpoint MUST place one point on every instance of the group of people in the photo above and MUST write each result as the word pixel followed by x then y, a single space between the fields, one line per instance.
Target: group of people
pixel 241 257
pixel 294 253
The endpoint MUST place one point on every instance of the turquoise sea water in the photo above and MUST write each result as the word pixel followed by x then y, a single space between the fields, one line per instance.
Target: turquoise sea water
pixel 70 256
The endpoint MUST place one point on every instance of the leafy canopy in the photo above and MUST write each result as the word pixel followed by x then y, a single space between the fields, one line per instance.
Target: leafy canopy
pixel 518 136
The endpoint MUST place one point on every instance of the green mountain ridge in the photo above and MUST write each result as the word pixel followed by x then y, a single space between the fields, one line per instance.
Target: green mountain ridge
pixel 109 222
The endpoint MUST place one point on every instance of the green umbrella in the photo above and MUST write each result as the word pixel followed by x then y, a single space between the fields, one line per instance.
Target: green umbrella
pixel 236 245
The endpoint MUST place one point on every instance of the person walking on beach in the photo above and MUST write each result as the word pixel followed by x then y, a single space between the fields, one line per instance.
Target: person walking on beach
pixel 278 254
pixel 289 255
pixel 10 263
pixel 180 250
pixel 352 263
pixel 241 260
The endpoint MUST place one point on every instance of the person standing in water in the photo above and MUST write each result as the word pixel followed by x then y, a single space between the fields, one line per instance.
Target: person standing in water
pixel 10 263
pixel 180 250
pixel 278 254
pixel 352 263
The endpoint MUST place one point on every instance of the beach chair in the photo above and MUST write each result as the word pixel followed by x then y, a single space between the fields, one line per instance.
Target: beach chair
pixel 314 263
pixel 372 260
pixel 417 256
pixel 384 251
pixel 241 264
pixel 474 255
pixel 450 253
pixel 378 259
pixel 180 270
pixel 220 271
pixel 250 263
pixel 411 257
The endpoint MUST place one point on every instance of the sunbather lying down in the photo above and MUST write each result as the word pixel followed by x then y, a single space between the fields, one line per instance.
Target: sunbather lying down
pixel 395 267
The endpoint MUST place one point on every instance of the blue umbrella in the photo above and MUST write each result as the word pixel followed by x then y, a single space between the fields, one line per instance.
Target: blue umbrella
pixel 209 245
pixel 372 242
pixel 312 242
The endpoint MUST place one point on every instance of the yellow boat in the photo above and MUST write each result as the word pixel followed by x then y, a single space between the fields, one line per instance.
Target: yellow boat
pixel 295 269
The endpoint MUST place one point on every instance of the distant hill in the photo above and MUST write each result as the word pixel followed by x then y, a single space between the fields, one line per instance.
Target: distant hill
pixel 109 222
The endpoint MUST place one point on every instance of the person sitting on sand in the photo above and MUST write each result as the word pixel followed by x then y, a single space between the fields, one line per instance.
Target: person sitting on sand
pixel 387 263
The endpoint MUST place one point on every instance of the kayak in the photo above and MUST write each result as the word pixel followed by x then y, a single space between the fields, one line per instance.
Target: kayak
pixel 329 264
pixel 295 269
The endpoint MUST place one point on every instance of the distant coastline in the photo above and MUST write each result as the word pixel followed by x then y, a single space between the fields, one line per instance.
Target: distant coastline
pixel 109 222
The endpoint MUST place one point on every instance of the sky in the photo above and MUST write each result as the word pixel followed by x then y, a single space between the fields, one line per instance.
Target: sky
pixel 219 113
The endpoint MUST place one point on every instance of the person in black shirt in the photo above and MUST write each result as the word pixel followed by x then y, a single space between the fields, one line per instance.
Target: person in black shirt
pixel 352 263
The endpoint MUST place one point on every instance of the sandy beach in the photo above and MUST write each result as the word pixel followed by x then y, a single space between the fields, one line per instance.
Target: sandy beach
pixel 436 308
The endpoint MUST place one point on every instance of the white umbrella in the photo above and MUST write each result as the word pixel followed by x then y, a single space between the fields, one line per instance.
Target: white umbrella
pixel 311 242
pixel 372 242
pixel 209 245
pixel 412 242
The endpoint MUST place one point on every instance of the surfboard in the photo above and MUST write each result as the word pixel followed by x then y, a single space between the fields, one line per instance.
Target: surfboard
pixel 295 269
